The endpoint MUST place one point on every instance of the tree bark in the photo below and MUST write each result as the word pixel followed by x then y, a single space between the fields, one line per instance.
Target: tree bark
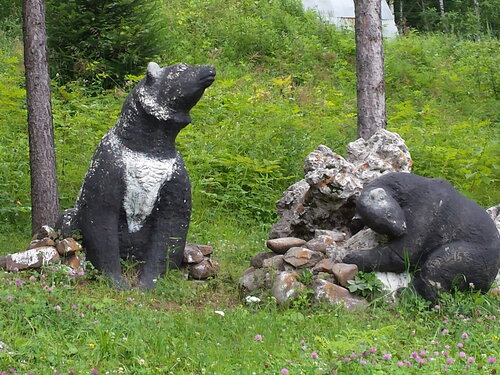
pixel 44 191
pixel 441 7
pixel 369 67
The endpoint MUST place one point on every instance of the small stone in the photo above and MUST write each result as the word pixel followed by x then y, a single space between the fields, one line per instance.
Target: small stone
pixel 326 276
pixel 254 279
pixel 286 287
pixel 320 243
pixel 206 250
pixel 302 257
pixel 29 259
pixel 68 246
pixel 205 269
pixel 257 260
pixel 75 262
pixel 41 243
pixel 324 265
pixel 282 245
pixel 45 232
pixel 335 235
pixel 192 255
pixel 344 272
pixel 275 262
pixel 335 294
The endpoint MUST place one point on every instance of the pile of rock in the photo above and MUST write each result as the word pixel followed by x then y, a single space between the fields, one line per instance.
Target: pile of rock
pixel 316 223
pixel 48 247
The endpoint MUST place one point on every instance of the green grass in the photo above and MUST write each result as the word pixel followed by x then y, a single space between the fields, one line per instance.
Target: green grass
pixel 276 98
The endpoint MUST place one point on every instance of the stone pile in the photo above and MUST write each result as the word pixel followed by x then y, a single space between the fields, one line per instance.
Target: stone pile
pixel 316 224
pixel 48 247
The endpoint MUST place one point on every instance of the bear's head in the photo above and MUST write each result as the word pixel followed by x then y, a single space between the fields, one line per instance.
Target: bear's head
pixel 169 93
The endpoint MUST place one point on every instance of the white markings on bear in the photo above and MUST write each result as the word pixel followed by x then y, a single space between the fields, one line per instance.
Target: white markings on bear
pixel 143 177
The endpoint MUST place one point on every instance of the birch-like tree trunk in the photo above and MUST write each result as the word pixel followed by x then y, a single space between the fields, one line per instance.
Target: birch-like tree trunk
pixel 44 191
pixel 369 67
pixel 441 7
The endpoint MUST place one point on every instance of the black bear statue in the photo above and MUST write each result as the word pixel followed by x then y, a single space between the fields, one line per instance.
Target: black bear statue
pixel 447 240
pixel 135 200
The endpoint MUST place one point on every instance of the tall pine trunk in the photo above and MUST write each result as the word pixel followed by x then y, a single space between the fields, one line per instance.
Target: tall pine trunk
pixel 44 191
pixel 369 67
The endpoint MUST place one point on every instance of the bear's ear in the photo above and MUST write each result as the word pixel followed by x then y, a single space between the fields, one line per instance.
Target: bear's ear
pixel 153 72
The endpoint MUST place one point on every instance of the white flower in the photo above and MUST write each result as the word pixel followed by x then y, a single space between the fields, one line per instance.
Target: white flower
pixel 221 313
pixel 252 299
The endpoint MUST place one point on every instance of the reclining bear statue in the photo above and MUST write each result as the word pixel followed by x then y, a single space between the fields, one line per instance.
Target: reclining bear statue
pixel 135 200
pixel 447 240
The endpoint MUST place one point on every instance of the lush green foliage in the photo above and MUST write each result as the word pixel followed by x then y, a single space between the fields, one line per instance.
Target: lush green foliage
pixel 468 18
pixel 102 41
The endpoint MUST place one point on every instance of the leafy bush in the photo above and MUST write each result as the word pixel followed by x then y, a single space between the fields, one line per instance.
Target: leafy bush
pixel 101 41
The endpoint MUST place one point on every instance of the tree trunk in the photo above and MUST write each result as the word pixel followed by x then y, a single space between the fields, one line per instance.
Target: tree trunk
pixel 369 67
pixel 44 192
pixel 441 7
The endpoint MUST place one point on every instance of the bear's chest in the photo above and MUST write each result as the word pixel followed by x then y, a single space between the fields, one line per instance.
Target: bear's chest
pixel 143 177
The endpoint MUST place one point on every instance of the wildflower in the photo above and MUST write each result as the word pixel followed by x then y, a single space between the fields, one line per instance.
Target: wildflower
pixel 48 289
pixel 142 362
pixel 471 360
pixel 257 337
pixel 445 332
pixel 284 371
pixel 9 298
pixel 400 364
pixel 460 345
pixel 362 362
pixel 32 278
pixel 314 355
pixel 436 353
pixel 95 371
pixel 447 346
pixel 450 361
pixel 130 299
pixel 57 308
pixel 445 353
pixel 387 356
pixel 91 346
pixel 373 349
pixel 82 315
pixel 471 285
pixel 462 355
pixel 465 335
pixel 347 359
pixel 74 307
pixel 437 307
pixel 252 299
pixel 71 372
pixel 434 342
pixel 491 360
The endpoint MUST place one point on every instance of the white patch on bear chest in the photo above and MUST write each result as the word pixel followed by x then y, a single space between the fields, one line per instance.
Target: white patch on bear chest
pixel 143 176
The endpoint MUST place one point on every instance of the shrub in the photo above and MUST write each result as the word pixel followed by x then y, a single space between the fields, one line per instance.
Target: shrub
pixel 101 41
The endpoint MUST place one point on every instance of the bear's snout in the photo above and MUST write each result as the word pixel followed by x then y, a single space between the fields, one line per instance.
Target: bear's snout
pixel 207 75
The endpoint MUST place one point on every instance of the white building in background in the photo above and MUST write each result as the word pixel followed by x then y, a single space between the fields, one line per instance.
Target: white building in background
pixel 341 14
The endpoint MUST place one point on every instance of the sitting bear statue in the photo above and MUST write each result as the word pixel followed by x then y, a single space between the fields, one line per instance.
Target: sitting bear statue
pixel 135 200
pixel 447 240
